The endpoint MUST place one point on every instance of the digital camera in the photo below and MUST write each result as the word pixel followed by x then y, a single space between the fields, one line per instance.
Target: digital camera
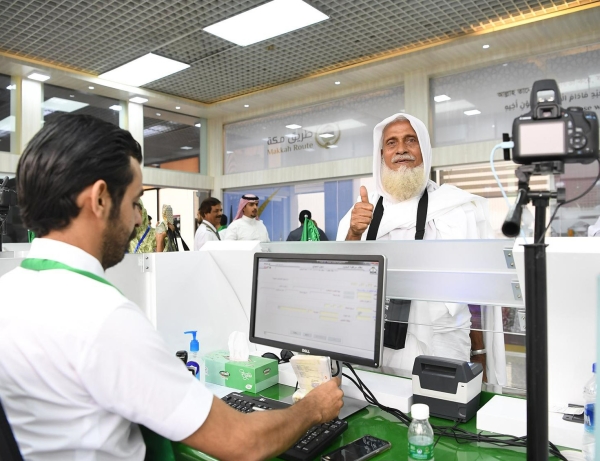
pixel 550 133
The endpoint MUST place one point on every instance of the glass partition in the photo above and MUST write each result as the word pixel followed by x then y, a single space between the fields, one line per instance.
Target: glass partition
pixel 7 120
pixel 59 100
pixel 455 296
pixel 325 132
pixel 481 104
pixel 171 140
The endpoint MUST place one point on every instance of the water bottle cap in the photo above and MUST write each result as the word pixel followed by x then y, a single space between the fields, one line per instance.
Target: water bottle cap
pixel 419 411
pixel 594 368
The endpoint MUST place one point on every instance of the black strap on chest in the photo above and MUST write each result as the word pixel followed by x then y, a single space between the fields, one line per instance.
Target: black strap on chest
pixel 213 231
pixel 397 311
pixel 421 217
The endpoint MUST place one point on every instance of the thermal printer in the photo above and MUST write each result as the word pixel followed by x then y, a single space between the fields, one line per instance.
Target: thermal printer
pixel 449 387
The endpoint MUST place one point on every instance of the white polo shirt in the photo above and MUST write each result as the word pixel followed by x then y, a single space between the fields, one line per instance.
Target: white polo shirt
pixel 206 232
pixel 79 363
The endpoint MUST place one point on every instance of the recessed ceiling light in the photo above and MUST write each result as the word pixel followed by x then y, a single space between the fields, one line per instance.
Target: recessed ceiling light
pixel 246 105
pixel 187 148
pixel 158 114
pixel 63 105
pixel 472 112
pixel 138 99
pixel 229 152
pixel 337 83
pixel 116 107
pixel 293 126
pixel 442 98
pixel 505 64
pixel 485 47
pixel 333 146
pixel 266 21
pixel 177 107
pixel 39 77
pixel 71 96
pixel 91 87
pixel 11 87
pixel 326 135
pixel 144 69
pixel 198 125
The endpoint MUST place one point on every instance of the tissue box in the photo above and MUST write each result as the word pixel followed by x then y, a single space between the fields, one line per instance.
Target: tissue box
pixel 256 374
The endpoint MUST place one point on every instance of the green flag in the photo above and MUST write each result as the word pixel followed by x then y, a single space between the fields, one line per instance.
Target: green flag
pixel 310 233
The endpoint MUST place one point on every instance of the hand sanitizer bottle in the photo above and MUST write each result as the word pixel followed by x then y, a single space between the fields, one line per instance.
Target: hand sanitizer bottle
pixel 194 354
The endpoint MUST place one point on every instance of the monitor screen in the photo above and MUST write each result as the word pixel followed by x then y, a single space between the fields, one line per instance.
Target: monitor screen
pixel 329 305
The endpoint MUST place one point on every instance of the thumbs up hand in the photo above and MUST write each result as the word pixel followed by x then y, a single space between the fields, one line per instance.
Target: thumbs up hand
pixel 361 217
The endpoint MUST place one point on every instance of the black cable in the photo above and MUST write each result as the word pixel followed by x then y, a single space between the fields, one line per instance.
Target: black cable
pixel 339 369
pixel 587 191
pixel 460 435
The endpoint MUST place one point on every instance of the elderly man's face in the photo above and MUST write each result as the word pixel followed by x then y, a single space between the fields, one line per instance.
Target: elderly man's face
pixel 401 147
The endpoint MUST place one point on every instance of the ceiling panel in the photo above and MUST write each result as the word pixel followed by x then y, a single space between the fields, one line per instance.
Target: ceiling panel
pixel 95 36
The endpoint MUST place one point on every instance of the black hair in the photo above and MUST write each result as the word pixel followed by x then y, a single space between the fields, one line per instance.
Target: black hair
pixel 70 153
pixel 207 204
pixel 304 214
pixel 224 220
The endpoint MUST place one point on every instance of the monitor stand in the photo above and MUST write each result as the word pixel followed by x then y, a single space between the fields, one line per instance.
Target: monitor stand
pixel 350 407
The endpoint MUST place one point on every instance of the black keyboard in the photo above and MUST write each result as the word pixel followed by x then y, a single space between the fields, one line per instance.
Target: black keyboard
pixel 316 439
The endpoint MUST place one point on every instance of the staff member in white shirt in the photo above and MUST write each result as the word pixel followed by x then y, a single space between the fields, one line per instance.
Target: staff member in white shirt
pixel 211 211
pixel 80 365
pixel 246 225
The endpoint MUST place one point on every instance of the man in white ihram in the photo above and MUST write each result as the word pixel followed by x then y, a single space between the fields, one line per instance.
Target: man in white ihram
pixel 401 167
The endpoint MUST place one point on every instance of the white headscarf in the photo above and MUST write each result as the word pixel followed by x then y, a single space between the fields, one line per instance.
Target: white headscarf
pixel 403 215
pixel 424 143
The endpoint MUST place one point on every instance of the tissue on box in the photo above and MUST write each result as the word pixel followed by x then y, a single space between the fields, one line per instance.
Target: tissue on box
pixel 254 375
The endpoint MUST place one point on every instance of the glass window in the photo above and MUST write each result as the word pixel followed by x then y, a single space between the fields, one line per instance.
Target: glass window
pixel 480 105
pixel 7 121
pixel 328 202
pixel 59 100
pixel 171 140
pixel 321 133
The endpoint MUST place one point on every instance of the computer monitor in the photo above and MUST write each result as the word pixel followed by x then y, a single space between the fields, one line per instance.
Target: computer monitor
pixel 329 305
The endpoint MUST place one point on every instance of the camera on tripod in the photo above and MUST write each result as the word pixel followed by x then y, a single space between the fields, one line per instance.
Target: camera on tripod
pixel 549 133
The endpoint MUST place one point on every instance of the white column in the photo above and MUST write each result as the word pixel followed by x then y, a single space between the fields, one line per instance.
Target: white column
pixel 135 122
pixel 416 95
pixel 29 115
pixel 215 135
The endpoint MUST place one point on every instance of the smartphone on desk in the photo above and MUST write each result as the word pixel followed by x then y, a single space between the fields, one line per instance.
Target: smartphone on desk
pixel 364 448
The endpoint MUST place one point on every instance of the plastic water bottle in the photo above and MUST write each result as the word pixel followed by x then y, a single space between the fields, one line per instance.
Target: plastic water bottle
pixel 420 433
pixel 589 395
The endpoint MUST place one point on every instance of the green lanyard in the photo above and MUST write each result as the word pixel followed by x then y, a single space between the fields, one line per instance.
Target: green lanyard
pixel 35 264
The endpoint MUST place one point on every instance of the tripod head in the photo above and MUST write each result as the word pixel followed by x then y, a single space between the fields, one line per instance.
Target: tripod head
pixel 512 224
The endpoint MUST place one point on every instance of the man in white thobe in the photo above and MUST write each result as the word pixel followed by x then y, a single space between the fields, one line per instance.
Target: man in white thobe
pixel 401 167
pixel 246 225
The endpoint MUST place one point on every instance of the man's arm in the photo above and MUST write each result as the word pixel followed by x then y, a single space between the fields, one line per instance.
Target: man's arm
pixel 361 217
pixel 477 344
pixel 229 435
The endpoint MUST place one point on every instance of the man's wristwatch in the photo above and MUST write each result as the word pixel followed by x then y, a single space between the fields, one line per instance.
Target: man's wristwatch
pixel 478 352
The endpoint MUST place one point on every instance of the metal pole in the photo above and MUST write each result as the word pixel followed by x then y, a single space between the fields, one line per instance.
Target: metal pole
pixel 537 338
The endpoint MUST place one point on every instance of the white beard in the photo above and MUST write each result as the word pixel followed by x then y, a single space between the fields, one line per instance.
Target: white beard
pixel 404 183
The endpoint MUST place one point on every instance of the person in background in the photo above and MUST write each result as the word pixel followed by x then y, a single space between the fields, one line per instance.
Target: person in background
pixel 210 211
pixel 223 226
pixel 409 206
pixel 165 232
pixel 145 237
pixel 71 380
pixel 246 225
pixel 296 234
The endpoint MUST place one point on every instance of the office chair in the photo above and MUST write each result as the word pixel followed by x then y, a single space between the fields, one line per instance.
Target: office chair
pixel 9 450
